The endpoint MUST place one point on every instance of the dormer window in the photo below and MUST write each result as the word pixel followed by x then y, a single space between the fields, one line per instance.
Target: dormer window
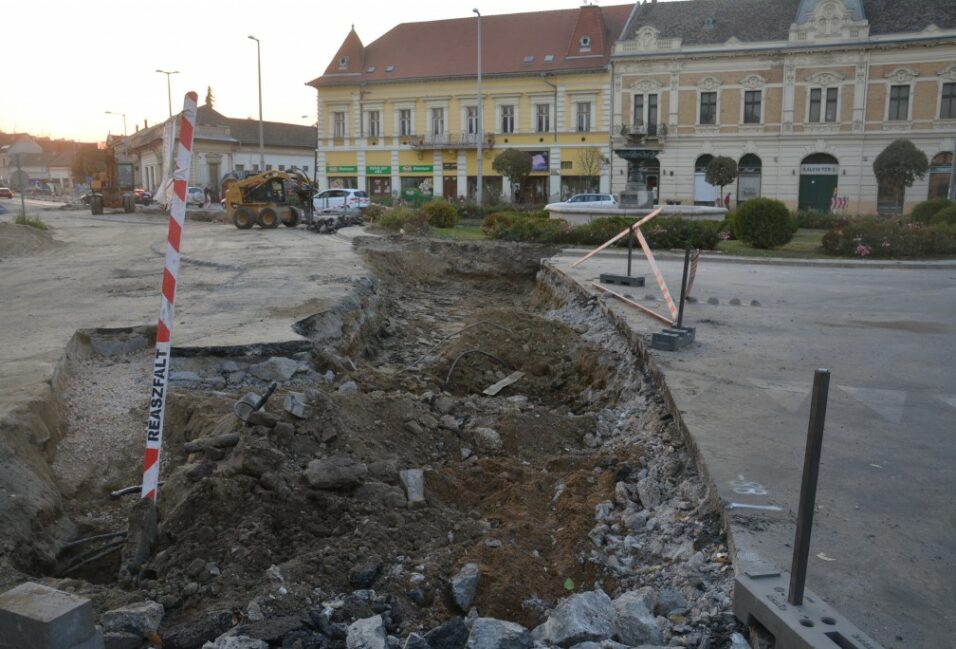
pixel 343 63
pixel 585 43
pixel 710 23
pixel 389 68
pixel 371 69
pixel 528 59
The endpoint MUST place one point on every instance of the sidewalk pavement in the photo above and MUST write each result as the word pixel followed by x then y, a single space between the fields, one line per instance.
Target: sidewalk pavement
pixel 883 552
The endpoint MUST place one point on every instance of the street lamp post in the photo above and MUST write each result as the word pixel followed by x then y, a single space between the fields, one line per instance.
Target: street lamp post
pixel 481 107
pixel 262 154
pixel 124 120
pixel 169 91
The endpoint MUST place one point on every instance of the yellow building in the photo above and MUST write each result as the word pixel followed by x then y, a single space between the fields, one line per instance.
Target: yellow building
pixel 400 116
pixel 803 94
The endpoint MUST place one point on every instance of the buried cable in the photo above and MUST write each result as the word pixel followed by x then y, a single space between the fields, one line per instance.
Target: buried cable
pixel 125 491
pixel 454 364
pixel 94 555
pixel 98 537
pixel 452 335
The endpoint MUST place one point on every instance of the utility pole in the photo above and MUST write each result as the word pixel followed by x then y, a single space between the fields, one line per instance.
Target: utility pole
pixel 952 174
pixel 169 92
pixel 481 110
pixel 262 153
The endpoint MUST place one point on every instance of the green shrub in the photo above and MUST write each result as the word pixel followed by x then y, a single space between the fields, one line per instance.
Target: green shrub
pixel 764 223
pixel 925 211
pixel 814 220
pixel 496 220
pixel 32 221
pixel 946 216
pixel 726 230
pixel 525 228
pixel 403 218
pixel 470 210
pixel 441 213
pixel 881 238
pixel 597 231
pixel 373 212
pixel 669 233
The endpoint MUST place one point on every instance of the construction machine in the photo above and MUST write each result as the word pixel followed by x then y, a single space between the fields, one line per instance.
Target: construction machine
pixel 268 199
pixel 114 186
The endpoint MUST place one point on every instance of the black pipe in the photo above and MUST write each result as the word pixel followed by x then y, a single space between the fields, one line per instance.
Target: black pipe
pixel 630 249
pixel 808 487
pixel 683 288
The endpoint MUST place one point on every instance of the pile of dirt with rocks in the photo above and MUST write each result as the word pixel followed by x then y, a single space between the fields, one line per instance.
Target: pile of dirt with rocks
pixel 403 499
pixel 25 240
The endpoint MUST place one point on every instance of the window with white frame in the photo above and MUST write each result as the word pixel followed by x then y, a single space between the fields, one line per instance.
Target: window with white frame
pixel 405 121
pixel 374 123
pixel 947 102
pixel 645 110
pixel 708 107
pixel 471 119
pixel 338 123
pixel 752 101
pixel 438 121
pixel 508 118
pixel 899 103
pixel 542 118
pixel 584 116
pixel 823 104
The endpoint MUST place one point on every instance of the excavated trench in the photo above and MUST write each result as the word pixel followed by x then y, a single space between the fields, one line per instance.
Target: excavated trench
pixel 570 477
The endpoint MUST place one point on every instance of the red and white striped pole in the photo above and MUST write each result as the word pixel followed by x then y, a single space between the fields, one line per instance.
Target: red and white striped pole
pixel 164 327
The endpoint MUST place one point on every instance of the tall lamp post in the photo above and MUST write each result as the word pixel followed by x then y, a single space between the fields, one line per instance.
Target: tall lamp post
pixel 481 110
pixel 169 91
pixel 124 120
pixel 262 154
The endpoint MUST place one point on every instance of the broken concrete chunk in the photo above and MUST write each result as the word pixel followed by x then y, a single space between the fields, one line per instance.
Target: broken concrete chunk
pixel 274 369
pixel 489 633
pixel 464 585
pixel 296 405
pixel 363 575
pixel 33 615
pixel 578 618
pixel 511 379
pixel 452 634
pixel 448 422
pixel 650 493
pixel 236 642
pixel 415 641
pixel 634 622
pixel 414 482
pixel 337 472
pixel 349 387
pixel 488 439
pixel 366 634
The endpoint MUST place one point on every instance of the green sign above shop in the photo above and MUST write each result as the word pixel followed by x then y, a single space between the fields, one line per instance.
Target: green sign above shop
pixel 416 169
pixel 343 169
pixel 378 169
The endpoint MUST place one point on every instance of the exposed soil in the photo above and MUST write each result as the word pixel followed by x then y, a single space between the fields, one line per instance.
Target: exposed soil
pixel 24 240
pixel 243 528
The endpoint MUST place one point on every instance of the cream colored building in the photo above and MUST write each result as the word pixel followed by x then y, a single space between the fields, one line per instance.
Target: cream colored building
pixel 804 94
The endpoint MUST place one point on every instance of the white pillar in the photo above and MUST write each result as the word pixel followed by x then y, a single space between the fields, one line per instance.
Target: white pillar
pixel 438 183
pixel 396 180
pixel 462 173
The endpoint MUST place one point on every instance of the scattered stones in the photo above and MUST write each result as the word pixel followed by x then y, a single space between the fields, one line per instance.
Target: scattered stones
pixel 635 624
pixel 337 472
pixel 578 618
pixel 141 618
pixel 363 575
pixel 295 404
pixel 489 633
pixel 464 585
pixel 415 641
pixel 452 634
pixel 349 387
pixel 121 640
pixel 236 642
pixel 368 633
pixel 262 418
pixel 193 634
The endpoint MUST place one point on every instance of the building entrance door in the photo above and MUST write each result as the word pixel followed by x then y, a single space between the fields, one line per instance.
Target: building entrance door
pixel 450 188
pixel 819 176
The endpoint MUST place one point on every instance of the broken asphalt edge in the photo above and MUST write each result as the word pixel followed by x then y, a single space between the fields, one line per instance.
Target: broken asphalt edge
pixel 740 540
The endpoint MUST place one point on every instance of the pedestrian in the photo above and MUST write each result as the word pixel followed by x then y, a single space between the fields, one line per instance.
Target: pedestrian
pixel 727 201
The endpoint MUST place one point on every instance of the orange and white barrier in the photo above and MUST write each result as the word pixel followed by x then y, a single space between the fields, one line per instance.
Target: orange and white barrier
pixel 164 328
pixel 694 259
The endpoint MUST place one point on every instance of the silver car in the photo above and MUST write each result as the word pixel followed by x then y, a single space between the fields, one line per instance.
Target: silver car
pixel 586 201
pixel 195 196
pixel 337 200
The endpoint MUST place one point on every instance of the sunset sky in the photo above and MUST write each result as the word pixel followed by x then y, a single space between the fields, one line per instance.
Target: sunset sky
pixel 67 62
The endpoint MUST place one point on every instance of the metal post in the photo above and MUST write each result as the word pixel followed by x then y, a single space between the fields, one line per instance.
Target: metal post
pixel 169 91
pixel 481 110
pixel 808 487
pixel 23 203
pixel 683 288
pixel 262 154
pixel 952 174
pixel 630 250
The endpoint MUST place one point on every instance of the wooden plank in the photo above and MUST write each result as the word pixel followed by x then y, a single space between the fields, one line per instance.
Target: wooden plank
pixel 650 312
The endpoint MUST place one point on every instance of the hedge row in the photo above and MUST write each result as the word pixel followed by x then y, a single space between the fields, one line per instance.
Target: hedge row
pixel 877 238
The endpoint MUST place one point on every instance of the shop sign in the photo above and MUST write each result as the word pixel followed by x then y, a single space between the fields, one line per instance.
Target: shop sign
pixel 819 170
pixel 378 169
pixel 449 166
pixel 343 169
pixel 414 169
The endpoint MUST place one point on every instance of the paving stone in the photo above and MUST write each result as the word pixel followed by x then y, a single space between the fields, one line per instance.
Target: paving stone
pixel 368 633
pixel 33 615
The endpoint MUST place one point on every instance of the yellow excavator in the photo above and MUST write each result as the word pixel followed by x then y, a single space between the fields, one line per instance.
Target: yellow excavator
pixel 268 199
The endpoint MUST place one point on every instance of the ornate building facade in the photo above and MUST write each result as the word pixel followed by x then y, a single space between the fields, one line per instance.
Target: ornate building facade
pixel 803 94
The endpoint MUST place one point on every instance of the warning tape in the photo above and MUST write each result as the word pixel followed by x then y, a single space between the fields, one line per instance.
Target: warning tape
pixel 657 274
pixel 164 327
pixel 694 258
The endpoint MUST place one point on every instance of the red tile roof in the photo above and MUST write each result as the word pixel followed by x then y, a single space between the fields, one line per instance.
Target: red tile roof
pixel 511 44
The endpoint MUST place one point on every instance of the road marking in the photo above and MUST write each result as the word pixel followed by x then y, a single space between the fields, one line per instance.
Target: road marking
pixel 948 399
pixel 772 508
pixel 788 394
pixel 886 403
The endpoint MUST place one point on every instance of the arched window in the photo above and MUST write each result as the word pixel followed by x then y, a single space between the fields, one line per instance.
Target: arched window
pixel 940 170
pixel 748 177
pixel 704 192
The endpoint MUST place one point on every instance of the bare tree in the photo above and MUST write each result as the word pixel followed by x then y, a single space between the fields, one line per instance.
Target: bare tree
pixel 591 161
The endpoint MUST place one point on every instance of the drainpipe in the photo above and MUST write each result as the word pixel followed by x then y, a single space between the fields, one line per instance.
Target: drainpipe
pixel 555 129
pixel 610 137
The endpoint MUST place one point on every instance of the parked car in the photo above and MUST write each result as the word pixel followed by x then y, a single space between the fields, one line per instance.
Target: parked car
pixel 585 201
pixel 142 196
pixel 6 192
pixel 334 200
pixel 195 196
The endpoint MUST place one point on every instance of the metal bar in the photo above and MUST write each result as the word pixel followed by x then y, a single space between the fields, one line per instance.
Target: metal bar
pixel 650 312
pixel 630 251
pixel 683 288
pixel 808 487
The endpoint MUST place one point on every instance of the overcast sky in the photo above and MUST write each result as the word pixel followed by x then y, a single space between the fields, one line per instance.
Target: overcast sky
pixel 66 62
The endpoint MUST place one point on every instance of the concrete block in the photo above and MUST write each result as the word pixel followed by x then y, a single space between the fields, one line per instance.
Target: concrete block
pixel 33 615
pixel 295 404
pixel 761 596
pixel 414 481
pixel 622 280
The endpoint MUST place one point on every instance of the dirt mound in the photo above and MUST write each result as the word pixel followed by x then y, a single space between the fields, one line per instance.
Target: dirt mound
pixel 25 240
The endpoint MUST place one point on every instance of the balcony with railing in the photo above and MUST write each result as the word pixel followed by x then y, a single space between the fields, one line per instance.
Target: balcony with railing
pixel 451 140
